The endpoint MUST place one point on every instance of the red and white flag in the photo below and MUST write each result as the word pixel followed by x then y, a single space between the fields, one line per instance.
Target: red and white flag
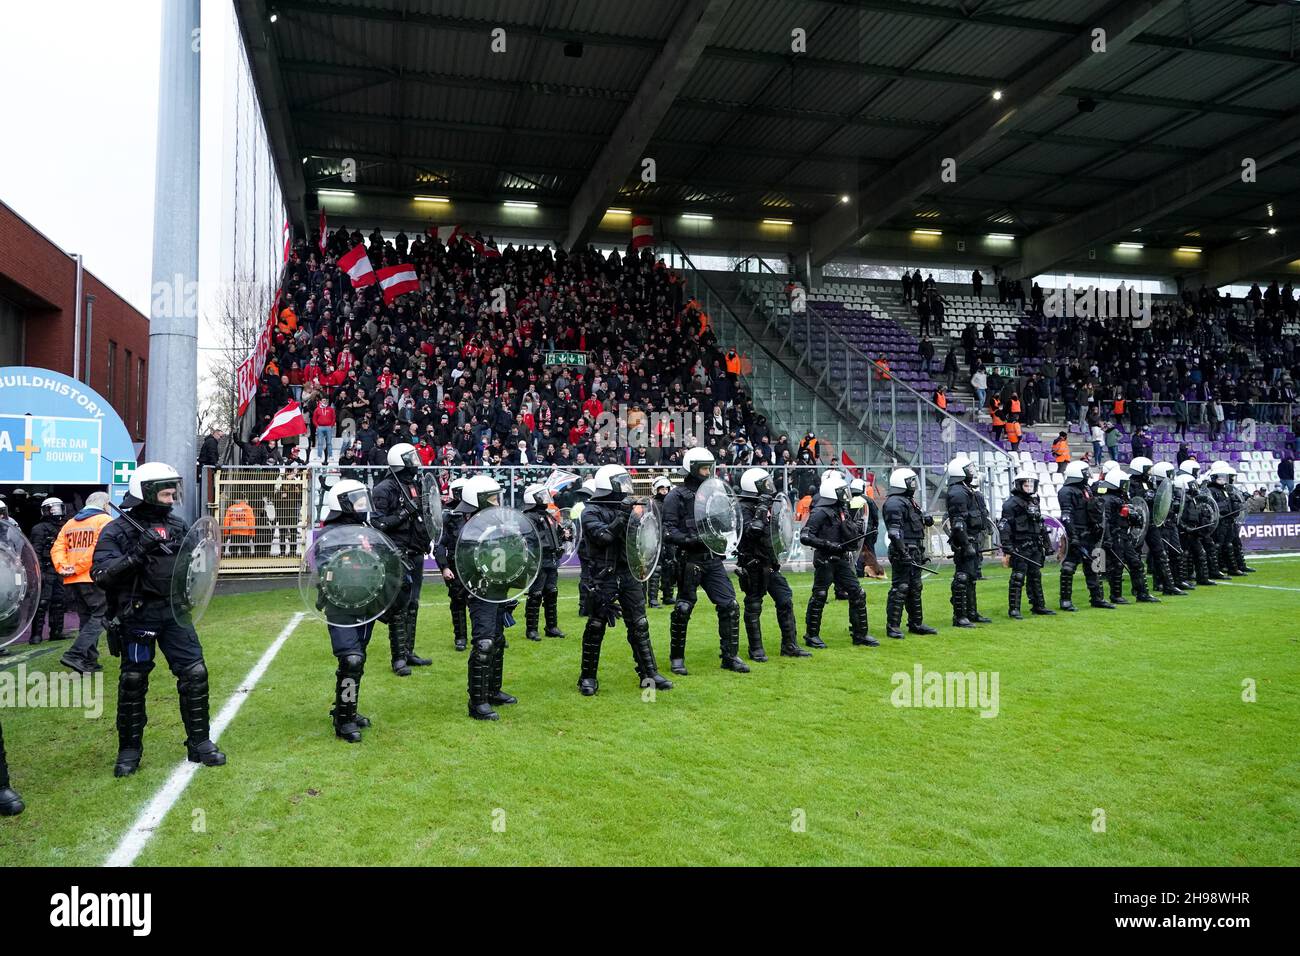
pixel 357 265
pixel 398 280
pixel 482 248
pixel 643 232
pixel 323 228
pixel 286 423
pixel 444 234
pixel 288 239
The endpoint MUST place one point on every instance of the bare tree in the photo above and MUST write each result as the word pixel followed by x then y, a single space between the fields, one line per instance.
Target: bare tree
pixel 235 318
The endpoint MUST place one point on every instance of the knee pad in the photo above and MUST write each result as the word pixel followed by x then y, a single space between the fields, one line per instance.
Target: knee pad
pixel 483 649
pixel 195 674
pixel 1017 578
pixel 1067 568
pixel 819 595
pixel 901 587
pixel 683 608
pixel 961 578
pixel 753 603
pixel 133 683
pixel 351 665
pixel 726 611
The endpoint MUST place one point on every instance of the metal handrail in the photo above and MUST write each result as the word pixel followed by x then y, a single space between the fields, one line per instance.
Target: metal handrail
pixel 851 349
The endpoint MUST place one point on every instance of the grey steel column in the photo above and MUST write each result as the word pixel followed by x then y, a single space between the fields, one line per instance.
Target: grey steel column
pixel 173 320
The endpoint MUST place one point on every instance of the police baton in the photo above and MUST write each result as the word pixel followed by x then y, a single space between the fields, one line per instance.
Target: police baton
pixel 137 525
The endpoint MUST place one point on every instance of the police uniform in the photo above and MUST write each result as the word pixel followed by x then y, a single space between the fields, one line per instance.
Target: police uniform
pixel 545 588
pixel 11 804
pixel 664 573
pixel 905 525
pixel 1221 540
pixel 457 596
pixel 1024 538
pixel 397 513
pixel 52 602
pixel 698 567
pixel 968 519
pixel 134 569
pixel 1144 485
pixel 1122 549
pixel 1082 535
pixel 1191 535
pixel 615 591
pixel 833 536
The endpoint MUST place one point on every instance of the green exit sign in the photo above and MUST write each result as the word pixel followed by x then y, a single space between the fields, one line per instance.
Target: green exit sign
pixel 122 472
pixel 574 359
pixel 1003 371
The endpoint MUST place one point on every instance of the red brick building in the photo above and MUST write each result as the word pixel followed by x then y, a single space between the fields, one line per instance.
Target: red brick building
pixel 38 291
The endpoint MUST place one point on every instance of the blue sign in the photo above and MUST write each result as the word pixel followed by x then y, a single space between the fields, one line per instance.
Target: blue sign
pixel 55 430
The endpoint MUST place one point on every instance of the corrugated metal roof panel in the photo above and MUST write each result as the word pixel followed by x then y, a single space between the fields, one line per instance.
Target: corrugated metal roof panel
pixel 1199 77
pixel 986 51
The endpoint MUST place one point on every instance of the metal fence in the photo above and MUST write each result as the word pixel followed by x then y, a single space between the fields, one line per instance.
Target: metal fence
pixel 267 512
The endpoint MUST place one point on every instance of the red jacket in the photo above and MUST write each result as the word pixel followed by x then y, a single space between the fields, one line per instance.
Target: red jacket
pixel 323 415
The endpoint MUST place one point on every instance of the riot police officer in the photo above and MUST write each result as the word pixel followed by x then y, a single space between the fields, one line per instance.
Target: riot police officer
pixel 1143 485
pixel 661 579
pixel 905 525
pixel 133 565
pixel 968 519
pixel 1237 556
pixel 545 588
pixel 1121 546
pixel 1082 537
pixel 1025 541
pixel 487 619
pixel 615 591
pixel 1170 571
pixel 456 594
pixel 1220 476
pixel 866 519
pixel 1193 519
pixel 52 598
pixel 348 502
pixel 698 566
pixel 758 567
pixel 582 496
pixel 397 513
pixel 834 537
pixel 11 804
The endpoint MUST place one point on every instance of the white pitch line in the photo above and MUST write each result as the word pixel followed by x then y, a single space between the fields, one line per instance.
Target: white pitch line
pixel 134 840
pixel 1262 587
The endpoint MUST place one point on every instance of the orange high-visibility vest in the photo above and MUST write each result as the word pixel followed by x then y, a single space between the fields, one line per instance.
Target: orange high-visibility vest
pixel 1061 451
pixel 733 364
pixel 1015 406
pixel 1013 432
pixel 995 413
pixel 1119 406
pixel 802 508
pixel 74 547
pixel 239 520
pixel 882 370
pixel 941 400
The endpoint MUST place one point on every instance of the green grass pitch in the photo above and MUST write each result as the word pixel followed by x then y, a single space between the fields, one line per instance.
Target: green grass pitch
pixel 1133 719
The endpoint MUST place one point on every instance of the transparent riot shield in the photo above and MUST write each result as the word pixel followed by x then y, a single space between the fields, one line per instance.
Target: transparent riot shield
pixel 717 516
pixel 498 554
pixel 1139 519
pixel 644 538
pixel 431 504
pixel 351 574
pixel 20 583
pixel 1162 503
pixel 781 528
pixel 194 574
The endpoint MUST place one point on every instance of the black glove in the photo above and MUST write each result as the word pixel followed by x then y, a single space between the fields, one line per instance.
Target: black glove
pixel 150 542
pixel 929 521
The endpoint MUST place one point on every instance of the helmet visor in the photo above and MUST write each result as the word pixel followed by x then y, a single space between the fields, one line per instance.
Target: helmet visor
pixel 153 492
pixel 356 501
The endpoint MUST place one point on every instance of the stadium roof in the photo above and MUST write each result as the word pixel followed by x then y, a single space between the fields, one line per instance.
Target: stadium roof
pixel 739 126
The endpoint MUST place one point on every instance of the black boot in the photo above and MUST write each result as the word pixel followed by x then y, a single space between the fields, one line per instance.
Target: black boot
pixel 729 639
pixel 813 622
pixel 458 622
pixel 549 602
pixel 397 644
pixel 11 804
pixel 412 658
pixel 132 687
pixel 915 624
pixel 894 614
pixel 858 629
pixel 496 695
pixel 789 632
pixel 678 622
pixel 532 610
pixel 754 633
pixel 480 680
pixel 643 654
pixel 972 605
pixel 347 687
pixel 958 600
pixel 592 636
pixel 1038 600
pixel 1014 587
pixel 192 686
pixel 1067 589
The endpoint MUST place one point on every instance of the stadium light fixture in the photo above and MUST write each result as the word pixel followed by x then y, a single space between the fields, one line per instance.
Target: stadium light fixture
pixel 698 216
pixel 844 198
pixel 778 222
pixel 335 192
pixel 1272 230
pixel 997 94
pixel 519 204
pixel 275 15
pixel 1192 249
pixel 618 212
pixel 1130 245
pixel 438 199
pixel 927 232
pixel 1002 236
